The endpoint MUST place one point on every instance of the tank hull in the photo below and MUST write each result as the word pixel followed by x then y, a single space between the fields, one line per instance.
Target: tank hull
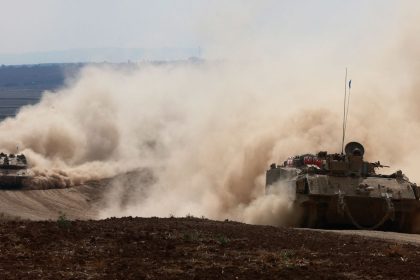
pixel 325 211
pixel 13 182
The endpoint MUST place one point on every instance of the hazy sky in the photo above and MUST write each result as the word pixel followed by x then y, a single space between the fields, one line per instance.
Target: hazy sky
pixel 45 25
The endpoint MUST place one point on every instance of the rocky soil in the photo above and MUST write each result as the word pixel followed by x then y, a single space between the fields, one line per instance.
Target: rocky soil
pixel 191 248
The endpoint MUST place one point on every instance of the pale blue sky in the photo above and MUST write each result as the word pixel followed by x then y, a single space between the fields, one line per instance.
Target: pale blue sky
pixel 47 25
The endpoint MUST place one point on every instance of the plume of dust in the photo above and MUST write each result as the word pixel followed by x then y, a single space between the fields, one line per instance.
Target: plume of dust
pixel 196 138
pixel 274 208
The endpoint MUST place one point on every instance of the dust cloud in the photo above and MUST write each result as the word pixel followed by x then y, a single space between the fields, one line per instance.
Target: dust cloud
pixel 196 137
pixel 188 138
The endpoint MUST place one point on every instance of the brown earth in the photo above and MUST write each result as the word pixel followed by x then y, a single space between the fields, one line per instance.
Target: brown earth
pixel 191 248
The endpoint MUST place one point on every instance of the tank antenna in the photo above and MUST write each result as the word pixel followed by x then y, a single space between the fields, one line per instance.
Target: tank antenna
pixel 344 112
pixel 346 109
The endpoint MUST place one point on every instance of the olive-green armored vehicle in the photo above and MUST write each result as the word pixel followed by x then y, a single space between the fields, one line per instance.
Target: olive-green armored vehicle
pixel 14 172
pixel 332 190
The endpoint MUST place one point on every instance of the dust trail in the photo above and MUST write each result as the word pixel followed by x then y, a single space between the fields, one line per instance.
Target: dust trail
pixel 204 134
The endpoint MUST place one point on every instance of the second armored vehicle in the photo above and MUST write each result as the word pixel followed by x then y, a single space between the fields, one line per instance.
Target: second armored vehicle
pixel 14 172
pixel 344 190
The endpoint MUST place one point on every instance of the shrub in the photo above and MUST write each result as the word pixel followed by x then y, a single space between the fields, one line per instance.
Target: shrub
pixel 222 240
pixel 62 221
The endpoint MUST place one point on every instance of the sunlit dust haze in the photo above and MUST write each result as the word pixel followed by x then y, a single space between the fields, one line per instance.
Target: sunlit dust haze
pixel 197 137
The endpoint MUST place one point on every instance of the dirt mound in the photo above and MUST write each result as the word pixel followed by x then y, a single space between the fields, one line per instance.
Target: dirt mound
pixel 190 248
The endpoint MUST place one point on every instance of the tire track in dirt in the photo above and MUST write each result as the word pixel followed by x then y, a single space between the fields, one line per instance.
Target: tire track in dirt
pixel 76 203
pixel 384 235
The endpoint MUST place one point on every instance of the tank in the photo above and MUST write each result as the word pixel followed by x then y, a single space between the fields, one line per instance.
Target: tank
pixel 344 190
pixel 14 173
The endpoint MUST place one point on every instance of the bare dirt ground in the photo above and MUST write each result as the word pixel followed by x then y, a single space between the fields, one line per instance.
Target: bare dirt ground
pixel 191 248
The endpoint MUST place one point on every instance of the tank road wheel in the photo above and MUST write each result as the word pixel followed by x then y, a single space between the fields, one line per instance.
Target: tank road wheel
pixel 402 222
pixel 310 215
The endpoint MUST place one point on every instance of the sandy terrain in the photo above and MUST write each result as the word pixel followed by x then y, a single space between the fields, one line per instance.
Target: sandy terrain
pixel 76 203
